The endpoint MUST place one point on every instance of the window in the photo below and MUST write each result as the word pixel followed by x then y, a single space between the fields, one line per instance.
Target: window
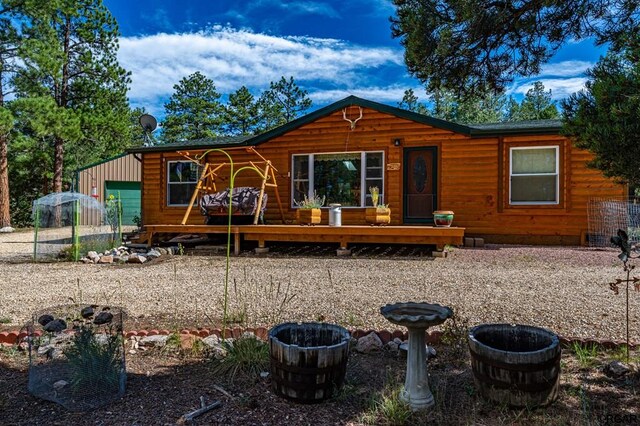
pixel 534 175
pixel 342 178
pixel 182 178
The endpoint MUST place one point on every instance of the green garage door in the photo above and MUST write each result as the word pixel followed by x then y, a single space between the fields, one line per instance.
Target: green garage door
pixel 130 196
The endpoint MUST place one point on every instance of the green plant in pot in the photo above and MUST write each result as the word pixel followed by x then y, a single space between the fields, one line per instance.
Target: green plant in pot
pixel 379 214
pixel 308 211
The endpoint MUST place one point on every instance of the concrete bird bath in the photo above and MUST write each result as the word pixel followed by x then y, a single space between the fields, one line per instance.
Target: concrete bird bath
pixel 417 317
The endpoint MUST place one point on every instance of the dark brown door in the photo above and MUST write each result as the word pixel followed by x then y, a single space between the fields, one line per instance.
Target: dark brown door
pixel 420 184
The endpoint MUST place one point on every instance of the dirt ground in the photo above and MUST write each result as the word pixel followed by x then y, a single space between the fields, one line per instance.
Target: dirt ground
pixel 161 387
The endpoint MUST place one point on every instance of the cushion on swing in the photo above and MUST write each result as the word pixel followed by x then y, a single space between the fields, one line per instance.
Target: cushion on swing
pixel 244 201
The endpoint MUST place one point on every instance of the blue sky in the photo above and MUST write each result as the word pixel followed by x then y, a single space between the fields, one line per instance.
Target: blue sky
pixel 331 48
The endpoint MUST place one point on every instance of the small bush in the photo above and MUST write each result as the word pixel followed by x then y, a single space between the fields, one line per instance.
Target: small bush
pixel 247 356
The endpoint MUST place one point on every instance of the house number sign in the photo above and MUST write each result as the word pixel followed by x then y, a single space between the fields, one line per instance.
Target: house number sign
pixel 393 166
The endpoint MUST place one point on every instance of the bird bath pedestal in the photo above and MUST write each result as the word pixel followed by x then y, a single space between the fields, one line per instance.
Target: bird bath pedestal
pixel 417 317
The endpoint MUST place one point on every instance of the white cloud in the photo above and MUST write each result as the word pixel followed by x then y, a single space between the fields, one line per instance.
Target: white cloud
pixel 391 95
pixel 232 58
pixel 566 69
pixel 560 87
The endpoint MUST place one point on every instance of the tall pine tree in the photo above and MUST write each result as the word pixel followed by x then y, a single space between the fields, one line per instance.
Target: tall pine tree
pixel 70 57
pixel 241 113
pixel 193 111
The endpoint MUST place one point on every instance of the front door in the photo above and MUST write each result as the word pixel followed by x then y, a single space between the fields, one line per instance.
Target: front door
pixel 420 184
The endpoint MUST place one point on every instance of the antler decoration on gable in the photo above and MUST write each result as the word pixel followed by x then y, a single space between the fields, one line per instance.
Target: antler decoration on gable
pixel 351 122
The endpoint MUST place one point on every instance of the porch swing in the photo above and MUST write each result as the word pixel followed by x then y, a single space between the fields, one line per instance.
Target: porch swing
pixel 244 202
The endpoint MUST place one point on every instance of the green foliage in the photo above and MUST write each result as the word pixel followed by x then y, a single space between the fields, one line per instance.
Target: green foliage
pixel 471 46
pixel 95 367
pixel 193 111
pixel 605 117
pixel 313 202
pixel 536 105
pixel 410 103
pixel 289 98
pixel 388 409
pixel 247 356
pixel 241 113
pixel 586 354
pixel 484 108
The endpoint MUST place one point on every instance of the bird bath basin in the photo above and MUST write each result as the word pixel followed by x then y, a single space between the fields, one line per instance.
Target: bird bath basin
pixel 417 317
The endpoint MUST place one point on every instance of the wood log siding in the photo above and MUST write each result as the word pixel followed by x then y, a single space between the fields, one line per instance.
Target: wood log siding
pixel 473 176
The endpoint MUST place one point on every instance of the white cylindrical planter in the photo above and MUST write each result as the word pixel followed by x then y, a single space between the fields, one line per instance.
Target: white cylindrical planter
pixel 335 215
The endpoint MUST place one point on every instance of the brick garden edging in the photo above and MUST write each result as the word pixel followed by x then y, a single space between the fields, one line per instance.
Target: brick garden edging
pixel 13 337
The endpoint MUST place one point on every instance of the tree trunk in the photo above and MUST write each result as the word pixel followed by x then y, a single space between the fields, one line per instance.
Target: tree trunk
pixel 5 214
pixel 58 158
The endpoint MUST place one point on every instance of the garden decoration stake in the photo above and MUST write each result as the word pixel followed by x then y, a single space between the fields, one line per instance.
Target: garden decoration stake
pixel 622 241
pixel 230 211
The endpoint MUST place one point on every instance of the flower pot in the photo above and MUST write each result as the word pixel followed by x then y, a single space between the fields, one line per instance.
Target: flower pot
pixel 309 216
pixel 378 215
pixel 443 218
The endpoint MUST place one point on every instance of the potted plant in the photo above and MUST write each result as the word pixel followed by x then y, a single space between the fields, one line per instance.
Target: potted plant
pixel 443 218
pixel 309 212
pixel 379 214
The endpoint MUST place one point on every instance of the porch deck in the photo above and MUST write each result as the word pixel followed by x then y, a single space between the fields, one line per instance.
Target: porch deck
pixel 342 235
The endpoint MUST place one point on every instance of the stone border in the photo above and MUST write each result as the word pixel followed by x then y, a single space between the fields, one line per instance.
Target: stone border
pixel 9 338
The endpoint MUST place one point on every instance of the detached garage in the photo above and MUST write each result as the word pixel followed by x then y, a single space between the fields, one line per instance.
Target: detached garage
pixel 115 176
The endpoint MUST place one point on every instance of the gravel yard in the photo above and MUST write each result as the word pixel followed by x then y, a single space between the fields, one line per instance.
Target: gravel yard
pixel 564 289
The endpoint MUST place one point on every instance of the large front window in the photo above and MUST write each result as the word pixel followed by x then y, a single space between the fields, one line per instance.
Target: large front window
pixel 182 178
pixel 342 178
pixel 534 175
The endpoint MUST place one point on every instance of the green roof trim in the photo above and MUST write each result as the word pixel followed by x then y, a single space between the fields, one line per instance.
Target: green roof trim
pixel 496 129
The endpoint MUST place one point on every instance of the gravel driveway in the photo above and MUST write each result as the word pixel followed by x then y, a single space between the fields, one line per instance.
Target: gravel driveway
pixel 564 289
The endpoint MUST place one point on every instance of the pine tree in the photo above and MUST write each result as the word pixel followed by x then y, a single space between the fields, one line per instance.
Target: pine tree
pixel 536 105
pixel 291 100
pixel 193 111
pixel 410 103
pixel 70 57
pixel 241 113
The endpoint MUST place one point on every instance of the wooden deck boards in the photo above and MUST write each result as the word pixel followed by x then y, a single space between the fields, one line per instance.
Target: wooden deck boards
pixel 343 235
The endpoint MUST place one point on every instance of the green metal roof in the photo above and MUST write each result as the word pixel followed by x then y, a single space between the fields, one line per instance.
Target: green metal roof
pixel 497 129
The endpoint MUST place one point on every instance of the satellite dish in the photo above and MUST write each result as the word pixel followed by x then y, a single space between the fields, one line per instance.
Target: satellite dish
pixel 148 122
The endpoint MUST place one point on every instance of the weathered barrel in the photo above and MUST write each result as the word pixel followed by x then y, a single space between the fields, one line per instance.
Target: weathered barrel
pixel 308 360
pixel 518 365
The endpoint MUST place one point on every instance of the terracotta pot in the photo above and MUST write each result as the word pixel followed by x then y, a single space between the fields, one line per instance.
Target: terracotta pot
pixel 378 215
pixel 443 218
pixel 309 216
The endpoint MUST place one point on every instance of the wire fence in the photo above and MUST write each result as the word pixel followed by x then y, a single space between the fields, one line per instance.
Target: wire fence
pixel 607 215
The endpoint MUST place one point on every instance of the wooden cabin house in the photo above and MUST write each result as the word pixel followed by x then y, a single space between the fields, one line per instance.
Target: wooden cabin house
pixel 506 183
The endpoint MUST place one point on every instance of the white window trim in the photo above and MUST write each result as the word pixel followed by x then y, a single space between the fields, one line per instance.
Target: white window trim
pixel 556 174
pixel 363 180
pixel 176 183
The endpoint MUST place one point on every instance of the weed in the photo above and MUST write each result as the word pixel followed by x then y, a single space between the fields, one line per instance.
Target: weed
pixel 247 356
pixel 388 409
pixel 585 354
pixel 5 320
pixel 180 249
pixel 455 335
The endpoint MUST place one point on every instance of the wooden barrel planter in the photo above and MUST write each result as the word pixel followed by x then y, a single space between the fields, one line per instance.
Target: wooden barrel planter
pixel 308 360
pixel 518 365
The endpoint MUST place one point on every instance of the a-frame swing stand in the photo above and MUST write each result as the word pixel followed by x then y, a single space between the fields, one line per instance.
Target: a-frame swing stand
pixel 207 181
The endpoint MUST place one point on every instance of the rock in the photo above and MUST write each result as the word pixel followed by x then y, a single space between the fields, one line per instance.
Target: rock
pixel 431 352
pixel 55 326
pixel 124 258
pixel 153 254
pixel 132 352
pixel 154 341
pixel 137 258
pixel 369 343
pixel 93 255
pixel 6 229
pixel 392 346
pixel 104 317
pixel 106 259
pixel 45 319
pixel 616 369
pixel 87 312
pixel 248 335
pixel 102 339
pixel 211 341
pixel 161 250
pixel 60 384
pixel 187 341
pixel 85 260
pixel 264 374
